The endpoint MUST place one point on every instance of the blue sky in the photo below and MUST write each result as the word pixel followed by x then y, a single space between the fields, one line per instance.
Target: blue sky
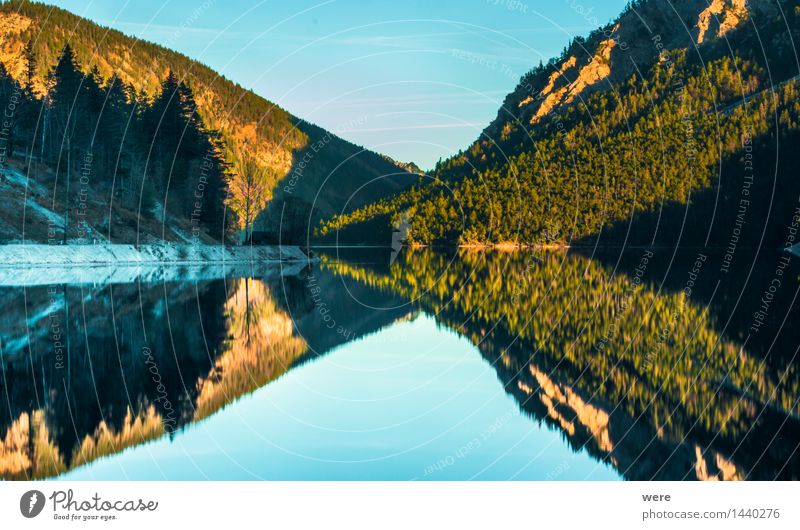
pixel 415 79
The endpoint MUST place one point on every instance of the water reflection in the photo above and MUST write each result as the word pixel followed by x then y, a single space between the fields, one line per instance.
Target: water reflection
pixel 88 371
pixel 646 362
pixel 623 357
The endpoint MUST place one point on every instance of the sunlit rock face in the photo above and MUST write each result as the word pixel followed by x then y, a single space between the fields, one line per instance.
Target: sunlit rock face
pixel 720 17
pixel 613 53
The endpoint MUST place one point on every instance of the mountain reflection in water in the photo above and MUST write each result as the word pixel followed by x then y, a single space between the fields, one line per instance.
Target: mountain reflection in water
pixel 648 365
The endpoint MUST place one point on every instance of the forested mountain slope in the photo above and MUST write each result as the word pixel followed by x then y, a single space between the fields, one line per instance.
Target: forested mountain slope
pixel 254 143
pixel 671 99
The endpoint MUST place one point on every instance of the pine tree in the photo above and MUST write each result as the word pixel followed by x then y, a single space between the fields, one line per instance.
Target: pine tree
pixel 66 107
pixel 117 131
pixel 11 99
pixel 29 54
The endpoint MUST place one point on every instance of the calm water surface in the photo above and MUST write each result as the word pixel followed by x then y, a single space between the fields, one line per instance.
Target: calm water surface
pixel 426 366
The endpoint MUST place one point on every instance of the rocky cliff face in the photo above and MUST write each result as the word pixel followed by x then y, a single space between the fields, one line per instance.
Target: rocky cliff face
pixel 615 52
pixel 720 17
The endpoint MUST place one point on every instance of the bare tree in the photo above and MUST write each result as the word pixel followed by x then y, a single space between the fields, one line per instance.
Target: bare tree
pixel 249 191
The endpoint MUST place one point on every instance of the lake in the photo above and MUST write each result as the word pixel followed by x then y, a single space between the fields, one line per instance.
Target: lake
pixel 423 365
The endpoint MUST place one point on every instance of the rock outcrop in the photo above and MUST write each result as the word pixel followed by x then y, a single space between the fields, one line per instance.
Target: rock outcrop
pixel 615 52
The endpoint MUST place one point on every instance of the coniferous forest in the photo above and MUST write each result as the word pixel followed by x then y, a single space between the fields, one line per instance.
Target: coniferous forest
pixel 690 122
pixel 166 148
pixel 95 141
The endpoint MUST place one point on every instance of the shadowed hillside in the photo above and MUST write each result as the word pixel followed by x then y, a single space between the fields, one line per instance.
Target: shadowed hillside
pixel 256 145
